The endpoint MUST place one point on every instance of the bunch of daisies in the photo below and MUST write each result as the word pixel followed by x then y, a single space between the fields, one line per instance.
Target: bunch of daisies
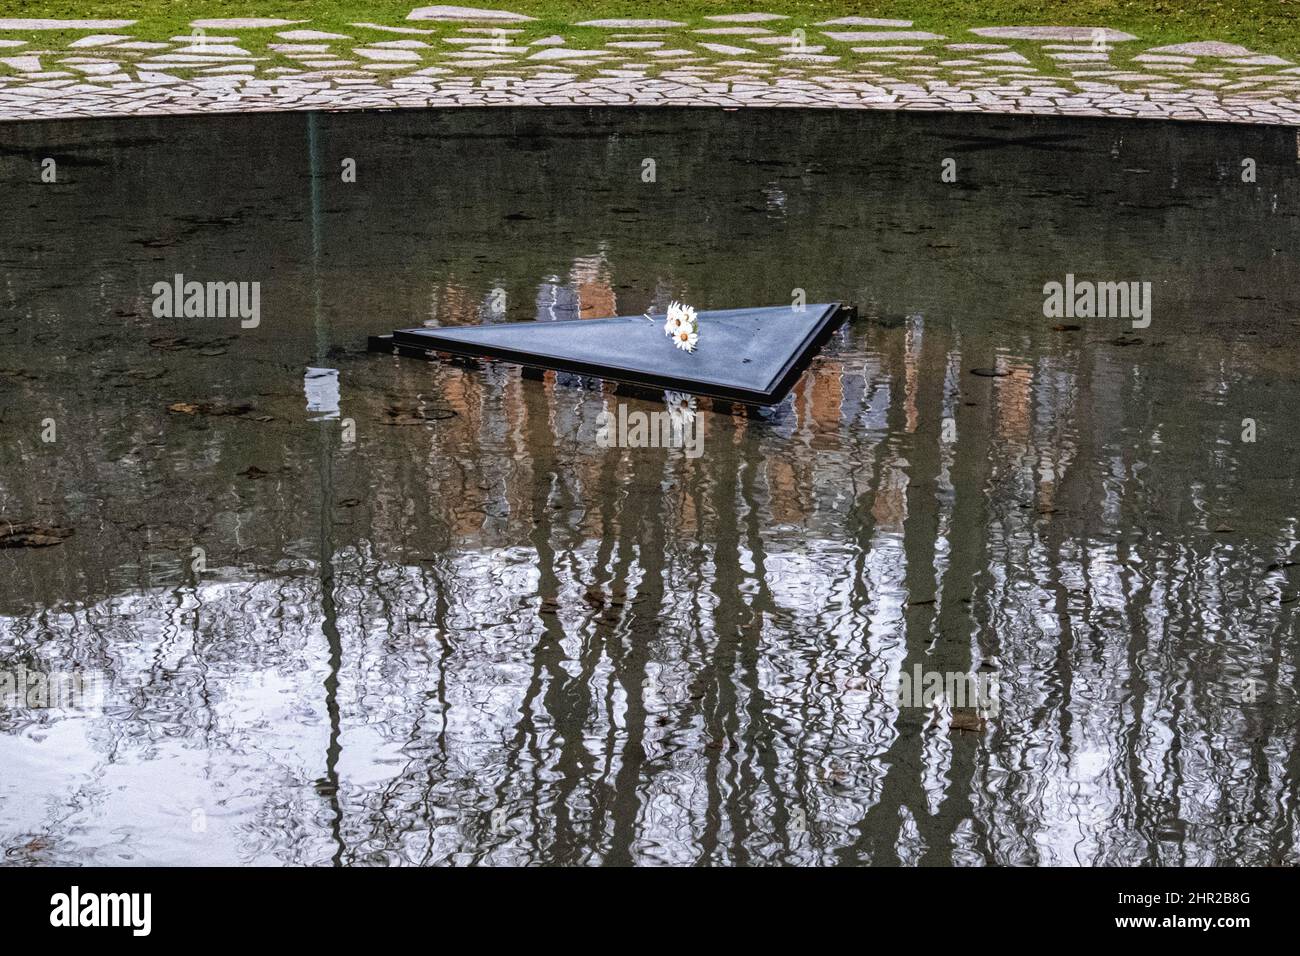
pixel 682 326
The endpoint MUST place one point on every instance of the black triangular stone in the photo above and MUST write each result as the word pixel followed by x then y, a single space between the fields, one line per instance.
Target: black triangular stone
pixel 747 355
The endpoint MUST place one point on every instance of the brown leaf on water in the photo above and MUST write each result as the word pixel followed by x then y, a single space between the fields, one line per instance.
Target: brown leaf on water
pixel 31 534
pixel 965 719
pixel 397 415
pixel 1066 327
pixel 209 408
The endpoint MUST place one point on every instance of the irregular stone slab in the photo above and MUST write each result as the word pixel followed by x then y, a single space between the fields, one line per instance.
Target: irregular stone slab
pixel 555 54
pixel 95 39
pixel 1053 33
pixel 1080 57
pixel 734 31
pixel 24 64
pixel 242 23
pixel 725 50
pixel 867 37
pixel 404 44
pixel 95 69
pixel 975 46
pixel 555 40
pixel 174 59
pixel 311 35
pixel 1260 61
pixel 140 45
pixel 405 56
pixel 638 44
pixel 465 13
pixel 380 26
pixel 625 24
pixel 215 49
pixel 810 55
pixel 747 17
pixel 10 23
pixel 788 39
pixel 864 22
pixel 1206 48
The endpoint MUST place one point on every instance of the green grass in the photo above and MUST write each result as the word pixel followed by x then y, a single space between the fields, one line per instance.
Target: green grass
pixel 1268 26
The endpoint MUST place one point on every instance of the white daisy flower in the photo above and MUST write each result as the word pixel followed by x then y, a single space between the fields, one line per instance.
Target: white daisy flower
pixel 681 408
pixel 686 338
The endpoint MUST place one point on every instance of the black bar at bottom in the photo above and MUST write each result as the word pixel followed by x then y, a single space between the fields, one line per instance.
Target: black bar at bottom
pixel 219 906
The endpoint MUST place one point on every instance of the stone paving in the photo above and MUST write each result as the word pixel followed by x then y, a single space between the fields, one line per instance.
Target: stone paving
pixel 463 56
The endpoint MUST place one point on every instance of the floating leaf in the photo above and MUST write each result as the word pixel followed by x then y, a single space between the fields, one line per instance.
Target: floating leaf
pixel 31 534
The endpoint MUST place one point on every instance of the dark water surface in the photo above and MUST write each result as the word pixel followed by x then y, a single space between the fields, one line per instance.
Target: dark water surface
pixel 474 635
